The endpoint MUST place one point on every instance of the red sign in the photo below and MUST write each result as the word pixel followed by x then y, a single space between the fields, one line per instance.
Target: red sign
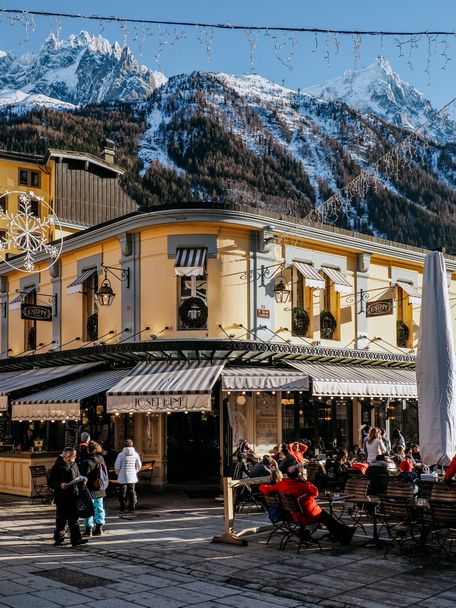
pixel 263 313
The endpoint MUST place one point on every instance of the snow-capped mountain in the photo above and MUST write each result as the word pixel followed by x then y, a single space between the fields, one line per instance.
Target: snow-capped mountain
pixel 377 90
pixel 81 70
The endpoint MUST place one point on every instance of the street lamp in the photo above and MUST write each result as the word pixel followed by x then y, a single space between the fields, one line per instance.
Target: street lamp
pixel 105 294
pixel 281 293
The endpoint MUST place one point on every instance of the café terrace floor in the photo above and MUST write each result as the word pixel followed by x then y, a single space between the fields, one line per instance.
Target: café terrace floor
pixel 164 558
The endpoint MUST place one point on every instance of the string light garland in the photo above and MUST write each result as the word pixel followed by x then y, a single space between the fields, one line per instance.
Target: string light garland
pixel 226 26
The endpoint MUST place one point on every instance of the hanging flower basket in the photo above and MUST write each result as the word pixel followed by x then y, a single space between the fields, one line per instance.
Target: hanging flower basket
pixel 328 324
pixel 300 321
pixel 193 313
pixel 402 332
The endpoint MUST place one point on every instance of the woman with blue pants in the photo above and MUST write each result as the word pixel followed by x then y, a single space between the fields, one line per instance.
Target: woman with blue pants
pixel 91 468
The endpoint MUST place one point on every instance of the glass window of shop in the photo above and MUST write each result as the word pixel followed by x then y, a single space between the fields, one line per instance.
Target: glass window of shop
pixel 327 423
pixel 402 414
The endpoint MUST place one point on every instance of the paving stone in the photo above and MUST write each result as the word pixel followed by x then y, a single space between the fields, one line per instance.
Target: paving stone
pixel 151 600
pixel 113 603
pixel 62 597
pixel 183 595
pixel 25 600
pixel 210 589
pixel 10 588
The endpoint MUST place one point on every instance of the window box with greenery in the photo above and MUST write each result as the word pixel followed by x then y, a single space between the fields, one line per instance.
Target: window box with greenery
pixel 328 325
pixel 300 321
pixel 402 333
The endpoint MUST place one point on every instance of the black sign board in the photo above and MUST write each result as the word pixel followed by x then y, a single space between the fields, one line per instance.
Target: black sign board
pixel 379 308
pixel 34 312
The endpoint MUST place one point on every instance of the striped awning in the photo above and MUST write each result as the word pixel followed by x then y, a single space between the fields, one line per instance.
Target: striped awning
pixel 341 285
pixel 190 262
pixel 330 379
pixel 15 304
pixel 263 379
pixel 75 286
pixel 414 295
pixel 63 401
pixel 36 377
pixel 165 386
pixel 313 277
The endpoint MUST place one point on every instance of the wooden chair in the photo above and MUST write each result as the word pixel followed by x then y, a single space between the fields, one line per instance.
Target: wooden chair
pixel 444 526
pixel 280 523
pixel 302 534
pixel 352 502
pixel 443 493
pixel 400 490
pixel 40 488
pixel 395 515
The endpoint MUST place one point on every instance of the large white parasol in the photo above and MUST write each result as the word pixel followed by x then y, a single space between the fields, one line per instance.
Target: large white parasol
pixel 436 366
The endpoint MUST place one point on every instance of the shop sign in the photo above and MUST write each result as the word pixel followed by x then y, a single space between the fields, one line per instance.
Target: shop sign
pixel 34 312
pixel 263 313
pixel 379 308
pixel 158 403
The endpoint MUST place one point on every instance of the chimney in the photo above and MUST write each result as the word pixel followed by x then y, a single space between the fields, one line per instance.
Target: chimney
pixel 108 151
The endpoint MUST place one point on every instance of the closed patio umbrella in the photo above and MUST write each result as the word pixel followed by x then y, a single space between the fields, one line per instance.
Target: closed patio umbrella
pixel 436 366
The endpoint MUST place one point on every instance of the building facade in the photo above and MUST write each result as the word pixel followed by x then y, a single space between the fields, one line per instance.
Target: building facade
pixel 225 324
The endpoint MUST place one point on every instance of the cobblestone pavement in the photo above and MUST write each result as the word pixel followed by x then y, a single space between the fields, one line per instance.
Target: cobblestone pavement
pixel 163 558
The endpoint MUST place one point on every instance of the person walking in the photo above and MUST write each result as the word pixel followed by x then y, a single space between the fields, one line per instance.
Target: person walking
pixel 64 471
pixel 94 468
pixel 127 466
pixel 81 451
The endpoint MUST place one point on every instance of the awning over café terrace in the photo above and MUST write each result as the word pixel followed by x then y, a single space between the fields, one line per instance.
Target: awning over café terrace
pixel 165 386
pixel 63 401
pixel 263 379
pixel 358 380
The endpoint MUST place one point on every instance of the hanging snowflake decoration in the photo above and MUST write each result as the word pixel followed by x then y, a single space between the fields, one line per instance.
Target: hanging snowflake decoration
pixel 28 234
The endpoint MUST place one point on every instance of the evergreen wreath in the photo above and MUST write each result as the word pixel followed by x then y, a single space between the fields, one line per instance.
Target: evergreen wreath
pixel 402 333
pixel 328 324
pixel 300 321
pixel 190 304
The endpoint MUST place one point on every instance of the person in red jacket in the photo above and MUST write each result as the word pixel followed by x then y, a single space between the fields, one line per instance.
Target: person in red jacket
pixel 451 471
pixel 311 513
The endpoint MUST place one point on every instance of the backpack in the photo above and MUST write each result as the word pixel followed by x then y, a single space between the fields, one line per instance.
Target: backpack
pixel 101 477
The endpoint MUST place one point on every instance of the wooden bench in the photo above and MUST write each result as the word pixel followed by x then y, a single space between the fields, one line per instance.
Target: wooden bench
pixel 145 473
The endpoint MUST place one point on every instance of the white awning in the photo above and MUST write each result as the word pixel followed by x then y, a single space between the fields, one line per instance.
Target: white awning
pixel 15 304
pixel 331 379
pixel 165 386
pixel 263 379
pixel 341 285
pixel 414 295
pixel 312 277
pixel 63 401
pixel 75 286
pixel 33 377
pixel 190 262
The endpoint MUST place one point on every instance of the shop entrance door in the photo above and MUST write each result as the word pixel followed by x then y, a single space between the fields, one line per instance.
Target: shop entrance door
pixel 193 448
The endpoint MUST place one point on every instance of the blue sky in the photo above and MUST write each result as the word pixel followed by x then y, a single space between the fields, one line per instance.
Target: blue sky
pixel 230 50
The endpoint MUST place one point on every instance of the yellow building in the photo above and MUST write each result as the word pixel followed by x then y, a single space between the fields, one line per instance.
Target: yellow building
pixel 226 324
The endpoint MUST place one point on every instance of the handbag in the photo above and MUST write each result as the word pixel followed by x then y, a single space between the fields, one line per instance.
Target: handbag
pixel 84 504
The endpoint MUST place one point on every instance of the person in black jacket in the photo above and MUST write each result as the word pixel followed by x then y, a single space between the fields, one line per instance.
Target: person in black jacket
pixel 91 469
pixel 62 473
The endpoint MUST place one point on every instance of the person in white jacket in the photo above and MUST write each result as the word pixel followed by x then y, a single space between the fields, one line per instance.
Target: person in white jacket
pixel 127 466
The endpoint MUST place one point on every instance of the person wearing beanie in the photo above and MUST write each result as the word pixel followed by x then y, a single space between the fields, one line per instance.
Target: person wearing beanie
pixel 407 474
pixel 310 512
pixel 82 452
pixel 263 468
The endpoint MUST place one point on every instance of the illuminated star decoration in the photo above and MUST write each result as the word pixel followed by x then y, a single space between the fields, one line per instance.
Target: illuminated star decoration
pixel 27 234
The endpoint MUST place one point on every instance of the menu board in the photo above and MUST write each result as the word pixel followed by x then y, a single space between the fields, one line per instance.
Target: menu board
pixel 266 423
pixel 71 432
